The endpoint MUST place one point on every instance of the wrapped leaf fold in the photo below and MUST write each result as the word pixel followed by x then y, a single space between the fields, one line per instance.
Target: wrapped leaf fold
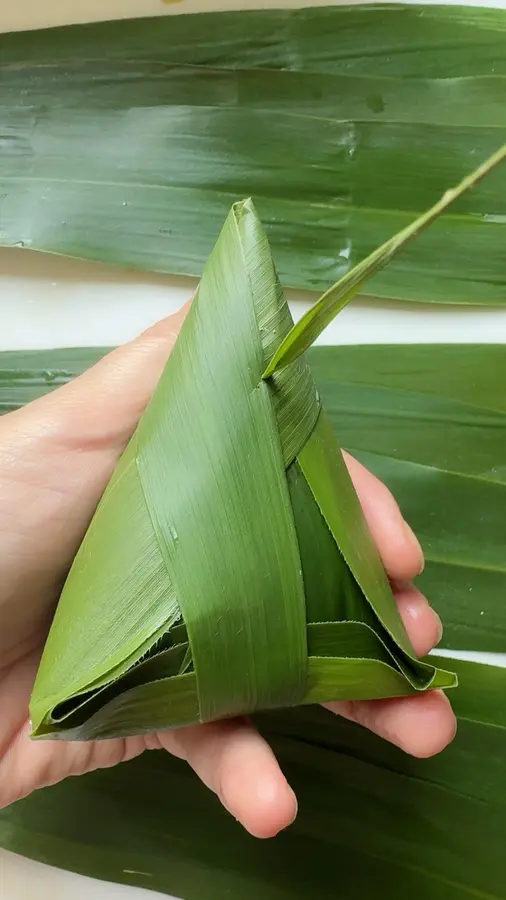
pixel 228 567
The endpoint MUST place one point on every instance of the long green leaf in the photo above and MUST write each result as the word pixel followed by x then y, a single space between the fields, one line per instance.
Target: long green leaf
pixel 371 822
pixel 129 141
pixel 26 375
pixel 430 421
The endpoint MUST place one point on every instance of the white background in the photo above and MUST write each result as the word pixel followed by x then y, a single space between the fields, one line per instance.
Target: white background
pixel 46 301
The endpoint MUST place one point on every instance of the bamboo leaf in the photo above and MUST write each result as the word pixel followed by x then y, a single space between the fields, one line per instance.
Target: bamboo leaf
pixel 220 502
pixel 316 319
pixel 128 142
pixel 389 825
pixel 365 809
pixel 26 375
pixel 430 421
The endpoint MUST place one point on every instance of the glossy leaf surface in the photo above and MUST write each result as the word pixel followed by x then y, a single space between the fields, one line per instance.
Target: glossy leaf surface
pixel 129 141
pixel 428 419
pixel 370 818
pixel 311 325
pixel 201 530
pixel 381 823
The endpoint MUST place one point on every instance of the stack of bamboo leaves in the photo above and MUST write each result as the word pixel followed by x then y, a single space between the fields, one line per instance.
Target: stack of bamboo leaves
pixel 233 477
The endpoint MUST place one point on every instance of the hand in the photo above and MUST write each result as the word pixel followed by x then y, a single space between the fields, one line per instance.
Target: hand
pixel 56 457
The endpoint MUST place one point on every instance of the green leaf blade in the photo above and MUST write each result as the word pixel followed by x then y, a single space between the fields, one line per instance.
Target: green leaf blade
pixel 227 504
pixel 365 808
pixel 141 141
pixel 439 406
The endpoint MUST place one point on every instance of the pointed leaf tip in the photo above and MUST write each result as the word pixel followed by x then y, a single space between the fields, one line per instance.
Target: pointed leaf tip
pixel 242 207
pixel 316 319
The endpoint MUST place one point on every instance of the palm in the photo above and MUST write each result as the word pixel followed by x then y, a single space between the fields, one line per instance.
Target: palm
pixel 56 457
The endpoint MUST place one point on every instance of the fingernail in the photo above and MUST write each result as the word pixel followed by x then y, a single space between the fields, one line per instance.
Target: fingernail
pixel 296 808
pixel 412 538
pixel 439 627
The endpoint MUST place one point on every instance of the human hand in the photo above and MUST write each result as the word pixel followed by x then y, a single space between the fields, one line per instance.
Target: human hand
pixel 56 457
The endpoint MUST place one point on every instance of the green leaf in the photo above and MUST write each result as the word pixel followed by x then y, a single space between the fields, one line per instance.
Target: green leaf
pixel 430 421
pixel 424 418
pixel 390 826
pixel 28 374
pixel 310 326
pixel 129 141
pixel 187 598
pixel 371 820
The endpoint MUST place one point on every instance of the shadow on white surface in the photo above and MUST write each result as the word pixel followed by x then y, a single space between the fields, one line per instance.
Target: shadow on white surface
pixel 28 880
pixel 33 14
pixel 53 301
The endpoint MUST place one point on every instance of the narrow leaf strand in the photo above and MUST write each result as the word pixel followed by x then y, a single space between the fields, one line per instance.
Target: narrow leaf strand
pixel 311 325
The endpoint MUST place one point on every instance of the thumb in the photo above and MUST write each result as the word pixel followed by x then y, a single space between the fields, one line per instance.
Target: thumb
pixel 56 457
pixel 100 409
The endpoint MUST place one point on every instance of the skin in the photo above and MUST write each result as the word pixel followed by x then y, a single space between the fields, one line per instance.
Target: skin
pixel 56 457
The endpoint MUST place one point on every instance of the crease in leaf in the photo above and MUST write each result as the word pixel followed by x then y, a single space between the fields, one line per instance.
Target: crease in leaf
pixel 366 809
pixel 212 487
pixel 467 373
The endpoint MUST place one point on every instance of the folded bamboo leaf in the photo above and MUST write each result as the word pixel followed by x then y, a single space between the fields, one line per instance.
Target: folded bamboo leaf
pixel 371 821
pixel 382 823
pixel 230 518
pixel 423 418
pixel 473 375
pixel 430 421
pixel 129 141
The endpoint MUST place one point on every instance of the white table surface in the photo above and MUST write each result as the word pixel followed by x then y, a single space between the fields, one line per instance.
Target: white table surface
pixel 48 301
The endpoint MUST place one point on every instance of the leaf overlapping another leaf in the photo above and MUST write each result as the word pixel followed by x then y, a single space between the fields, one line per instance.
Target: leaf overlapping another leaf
pixel 379 822
pixel 430 828
pixel 419 415
pixel 242 558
